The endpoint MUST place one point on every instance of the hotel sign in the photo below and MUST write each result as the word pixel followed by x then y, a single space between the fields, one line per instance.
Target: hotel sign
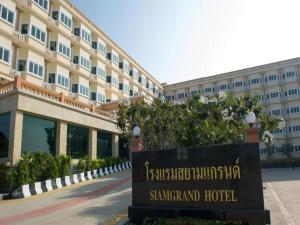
pixel 202 179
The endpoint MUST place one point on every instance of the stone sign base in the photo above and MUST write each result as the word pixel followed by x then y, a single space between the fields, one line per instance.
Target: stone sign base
pixel 254 217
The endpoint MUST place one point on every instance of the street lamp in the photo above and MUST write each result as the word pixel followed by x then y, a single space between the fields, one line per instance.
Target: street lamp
pixel 250 118
pixel 251 132
pixel 136 131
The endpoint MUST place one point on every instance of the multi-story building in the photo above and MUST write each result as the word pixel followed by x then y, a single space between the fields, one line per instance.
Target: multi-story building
pixel 58 74
pixel 277 85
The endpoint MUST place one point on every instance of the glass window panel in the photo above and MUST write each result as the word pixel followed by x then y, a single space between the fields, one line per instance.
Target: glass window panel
pixel 4 134
pixel 1 53
pixel 77 141
pixel 104 144
pixel 39 135
pixel 33 30
pixel 4 13
pixel 11 17
pixel 6 56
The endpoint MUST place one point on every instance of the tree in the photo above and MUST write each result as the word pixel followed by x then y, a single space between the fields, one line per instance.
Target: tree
pixel 202 120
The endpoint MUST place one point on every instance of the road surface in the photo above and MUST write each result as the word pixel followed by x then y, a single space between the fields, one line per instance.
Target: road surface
pixel 91 202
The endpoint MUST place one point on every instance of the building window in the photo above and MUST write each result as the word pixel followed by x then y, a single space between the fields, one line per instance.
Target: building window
pixel 55 15
pixel 126 88
pixel 208 90
pixel 101 73
pixel 85 63
pixel 272 77
pixel 77 141
pixel 101 98
pixel 293 92
pixel 276 112
pixel 42 3
pixel 64 50
pixel 295 109
pixel 4 134
pixel 115 81
pixel 115 59
pixel 296 128
pixel 51 78
pixel 39 135
pixel 7 15
pixel 297 148
pixel 66 20
pixel 274 95
pixel 255 81
pixel 36 68
pixel 63 81
pixel 238 84
pixel 104 145
pixel 86 36
pixel 5 55
pixel 24 29
pixel 100 47
pixel 22 65
pixel 53 46
pixel 38 34
pixel 223 87
pixel 84 90
pixel 290 74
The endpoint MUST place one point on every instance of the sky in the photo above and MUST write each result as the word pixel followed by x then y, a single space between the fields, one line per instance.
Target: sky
pixel 178 40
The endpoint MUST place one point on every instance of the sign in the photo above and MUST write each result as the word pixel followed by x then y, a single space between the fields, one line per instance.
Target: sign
pixel 215 182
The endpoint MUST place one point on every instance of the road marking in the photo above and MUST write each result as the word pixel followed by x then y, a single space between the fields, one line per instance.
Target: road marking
pixel 282 208
pixel 66 204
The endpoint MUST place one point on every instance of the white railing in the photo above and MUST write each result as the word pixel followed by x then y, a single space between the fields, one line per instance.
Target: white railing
pixel 19 36
pixel 14 73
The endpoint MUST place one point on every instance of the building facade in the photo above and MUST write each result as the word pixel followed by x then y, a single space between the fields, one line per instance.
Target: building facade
pixel 277 85
pixel 58 74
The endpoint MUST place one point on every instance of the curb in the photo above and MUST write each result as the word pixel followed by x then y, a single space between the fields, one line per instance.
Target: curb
pixel 28 190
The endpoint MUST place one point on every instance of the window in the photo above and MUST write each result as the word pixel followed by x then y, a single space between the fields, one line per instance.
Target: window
pixel 38 34
pixel 75 59
pixel 272 77
pixel 4 55
pixel 55 15
pixel 22 65
pixel 144 81
pixel 297 148
pixel 276 112
pixel 293 92
pixel 84 90
pixel 102 73
pixel 180 95
pixel 77 31
pixel 126 88
pixel 63 81
pixel 290 74
pixel 66 20
pixel 238 84
pixel 4 134
pixel 295 109
pixel 208 90
pixel 53 46
pixel 274 95
pixel 100 47
pixel 104 144
pixel 86 36
pixel 85 63
pixel 115 59
pixel 24 29
pixel 115 81
pixel 296 128
pixel 42 3
pixel 223 87
pixel 7 15
pixel 77 141
pixel 255 81
pixel 64 50
pixel 36 68
pixel 101 98
pixel 51 78
pixel 38 134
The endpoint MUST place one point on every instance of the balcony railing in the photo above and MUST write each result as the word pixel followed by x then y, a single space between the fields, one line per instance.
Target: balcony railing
pixel 19 36
pixel 44 92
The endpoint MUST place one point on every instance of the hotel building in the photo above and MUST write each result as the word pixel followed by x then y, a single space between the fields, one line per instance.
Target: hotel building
pixel 60 75
pixel 277 85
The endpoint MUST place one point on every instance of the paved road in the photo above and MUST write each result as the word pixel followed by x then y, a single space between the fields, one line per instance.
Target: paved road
pixel 282 195
pixel 97 201
pixel 91 202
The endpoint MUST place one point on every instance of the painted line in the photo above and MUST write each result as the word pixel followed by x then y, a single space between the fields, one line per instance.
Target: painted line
pixel 282 208
pixel 63 205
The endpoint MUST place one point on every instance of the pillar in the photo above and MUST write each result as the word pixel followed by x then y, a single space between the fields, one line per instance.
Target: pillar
pixel 115 145
pixel 15 136
pixel 92 143
pixel 252 135
pixel 61 138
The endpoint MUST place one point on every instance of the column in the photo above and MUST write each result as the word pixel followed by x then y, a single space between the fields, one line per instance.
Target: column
pixel 15 136
pixel 92 143
pixel 115 145
pixel 61 138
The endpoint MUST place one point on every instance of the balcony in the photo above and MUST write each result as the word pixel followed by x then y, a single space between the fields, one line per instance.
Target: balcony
pixel 18 38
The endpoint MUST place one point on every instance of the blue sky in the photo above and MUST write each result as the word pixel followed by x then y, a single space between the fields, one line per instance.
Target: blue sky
pixel 177 40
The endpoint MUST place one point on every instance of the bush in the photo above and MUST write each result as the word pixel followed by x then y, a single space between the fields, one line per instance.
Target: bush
pixel 65 164
pixel 6 179
pixel 85 164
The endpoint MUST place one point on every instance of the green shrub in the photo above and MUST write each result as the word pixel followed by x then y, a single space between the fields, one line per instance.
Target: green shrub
pixel 64 165
pixel 95 164
pixel 22 172
pixel 7 183
pixel 81 166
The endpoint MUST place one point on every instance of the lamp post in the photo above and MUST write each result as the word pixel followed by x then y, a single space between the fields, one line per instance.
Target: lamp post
pixel 136 143
pixel 252 135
